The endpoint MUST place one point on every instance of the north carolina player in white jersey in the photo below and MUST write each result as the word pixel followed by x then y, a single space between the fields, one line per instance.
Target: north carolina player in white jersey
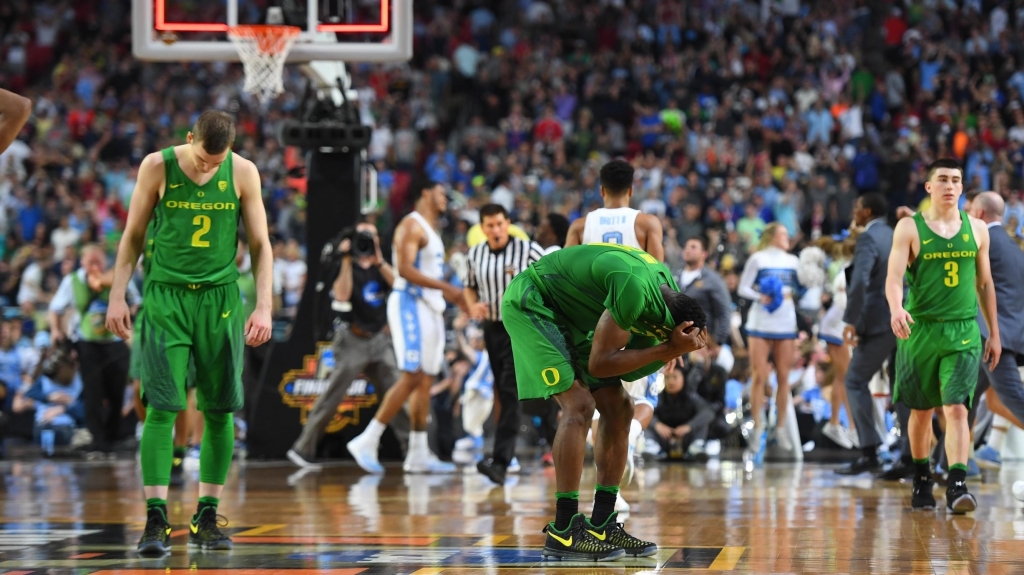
pixel 415 309
pixel 617 223
pixel 769 328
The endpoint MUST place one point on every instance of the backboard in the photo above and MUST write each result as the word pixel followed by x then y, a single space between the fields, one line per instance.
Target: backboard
pixel 332 30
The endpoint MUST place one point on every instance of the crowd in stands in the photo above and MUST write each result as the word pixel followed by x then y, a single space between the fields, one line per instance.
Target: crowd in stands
pixel 734 113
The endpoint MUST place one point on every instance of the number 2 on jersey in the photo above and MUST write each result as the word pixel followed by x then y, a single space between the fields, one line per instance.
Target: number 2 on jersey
pixel 952 278
pixel 204 228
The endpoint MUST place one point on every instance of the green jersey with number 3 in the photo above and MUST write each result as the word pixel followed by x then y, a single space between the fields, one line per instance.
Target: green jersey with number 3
pixel 195 228
pixel 942 275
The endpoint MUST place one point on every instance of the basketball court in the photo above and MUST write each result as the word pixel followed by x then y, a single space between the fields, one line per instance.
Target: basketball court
pixel 85 518
pixel 82 517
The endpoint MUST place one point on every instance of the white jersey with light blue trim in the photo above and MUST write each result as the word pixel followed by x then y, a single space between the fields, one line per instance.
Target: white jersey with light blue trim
pixel 781 323
pixel 611 226
pixel 481 378
pixel 430 262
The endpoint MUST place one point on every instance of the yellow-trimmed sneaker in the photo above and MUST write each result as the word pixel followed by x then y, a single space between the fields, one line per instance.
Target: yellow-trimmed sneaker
pixel 205 533
pixel 156 537
pixel 614 533
pixel 577 544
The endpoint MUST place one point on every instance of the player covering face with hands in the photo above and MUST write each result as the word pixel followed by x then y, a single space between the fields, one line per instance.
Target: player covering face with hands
pixel 582 320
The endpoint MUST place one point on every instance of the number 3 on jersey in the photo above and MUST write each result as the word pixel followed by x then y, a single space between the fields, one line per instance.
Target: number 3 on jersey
pixel 952 278
pixel 204 228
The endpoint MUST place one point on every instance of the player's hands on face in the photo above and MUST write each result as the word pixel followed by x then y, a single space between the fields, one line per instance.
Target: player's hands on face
pixel 478 311
pixel 258 328
pixel 119 318
pixel 850 335
pixel 993 350
pixel 901 322
pixel 686 338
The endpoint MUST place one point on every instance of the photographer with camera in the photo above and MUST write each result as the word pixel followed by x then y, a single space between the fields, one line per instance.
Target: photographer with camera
pixel 362 345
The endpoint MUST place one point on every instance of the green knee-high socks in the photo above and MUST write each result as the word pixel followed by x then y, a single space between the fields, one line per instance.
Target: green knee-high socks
pixel 218 447
pixel 156 447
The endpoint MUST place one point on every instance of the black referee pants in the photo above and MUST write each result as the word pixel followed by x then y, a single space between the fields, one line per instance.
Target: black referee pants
pixel 104 370
pixel 499 351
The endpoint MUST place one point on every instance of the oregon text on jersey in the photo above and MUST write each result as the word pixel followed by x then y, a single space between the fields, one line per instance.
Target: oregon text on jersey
pixel 215 206
pixel 948 255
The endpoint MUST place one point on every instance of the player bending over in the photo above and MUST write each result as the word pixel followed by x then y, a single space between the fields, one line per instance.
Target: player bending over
pixel 582 320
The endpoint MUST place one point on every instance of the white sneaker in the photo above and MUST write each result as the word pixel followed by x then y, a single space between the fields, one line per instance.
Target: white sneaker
pixel 469 443
pixel 426 463
pixel 713 448
pixel 364 451
pixel 620 504
pixel 782 438
pixel 513 466
pixel 302 462
pixel 854 437
pixel 838 435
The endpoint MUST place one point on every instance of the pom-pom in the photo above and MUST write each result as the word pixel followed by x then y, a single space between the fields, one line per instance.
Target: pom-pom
pixel 811 272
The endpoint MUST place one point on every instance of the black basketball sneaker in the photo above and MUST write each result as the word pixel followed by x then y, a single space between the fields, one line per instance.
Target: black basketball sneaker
pixel 576 543
pixel 922 496
pixel 614 533
pixel 156 538
pixel 205 533
pixel 958 500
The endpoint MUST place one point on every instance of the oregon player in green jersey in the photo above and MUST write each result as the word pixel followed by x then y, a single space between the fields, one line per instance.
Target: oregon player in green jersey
pixel 581 320
pixel 195 193
pixel 943 253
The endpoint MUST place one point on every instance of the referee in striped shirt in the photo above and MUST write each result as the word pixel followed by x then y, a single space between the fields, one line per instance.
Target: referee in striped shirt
pixel 492 265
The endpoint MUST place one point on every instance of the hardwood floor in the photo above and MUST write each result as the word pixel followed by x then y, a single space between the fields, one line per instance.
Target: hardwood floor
pixel 86 517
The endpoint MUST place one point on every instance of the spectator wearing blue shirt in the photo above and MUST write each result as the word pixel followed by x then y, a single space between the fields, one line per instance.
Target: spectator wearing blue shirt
pixel 441 165
pixel 55 397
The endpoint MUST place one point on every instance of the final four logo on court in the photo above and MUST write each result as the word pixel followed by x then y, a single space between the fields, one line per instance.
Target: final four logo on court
pixel 301 387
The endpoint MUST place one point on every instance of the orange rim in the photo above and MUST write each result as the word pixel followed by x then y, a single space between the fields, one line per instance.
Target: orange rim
pixel 268 38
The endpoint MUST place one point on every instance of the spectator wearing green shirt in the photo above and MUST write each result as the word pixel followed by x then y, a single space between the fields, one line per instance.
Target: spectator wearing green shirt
pixel 672 118
pixel 750 226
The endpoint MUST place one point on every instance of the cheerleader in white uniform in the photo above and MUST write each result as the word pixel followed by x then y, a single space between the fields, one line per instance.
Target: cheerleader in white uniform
pixel 831 332
pixel 771 332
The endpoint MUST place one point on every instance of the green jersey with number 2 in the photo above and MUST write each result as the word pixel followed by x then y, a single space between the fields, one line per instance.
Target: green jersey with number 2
pixel 195 228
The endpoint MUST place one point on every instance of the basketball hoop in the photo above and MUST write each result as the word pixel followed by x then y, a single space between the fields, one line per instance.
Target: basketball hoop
pixel 263 50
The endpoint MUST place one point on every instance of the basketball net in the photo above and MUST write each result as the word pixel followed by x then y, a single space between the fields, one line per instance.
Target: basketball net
pixel 263 50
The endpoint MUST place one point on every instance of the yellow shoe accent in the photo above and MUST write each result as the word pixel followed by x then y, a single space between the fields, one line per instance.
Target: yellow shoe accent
pixel 599 537
pixel 566 542
pixel 193 527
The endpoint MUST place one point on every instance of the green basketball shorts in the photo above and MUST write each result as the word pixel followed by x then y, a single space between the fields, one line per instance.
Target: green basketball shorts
pixel 205 326
pixel 938 364
pixel 135 360
pixel 542 351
